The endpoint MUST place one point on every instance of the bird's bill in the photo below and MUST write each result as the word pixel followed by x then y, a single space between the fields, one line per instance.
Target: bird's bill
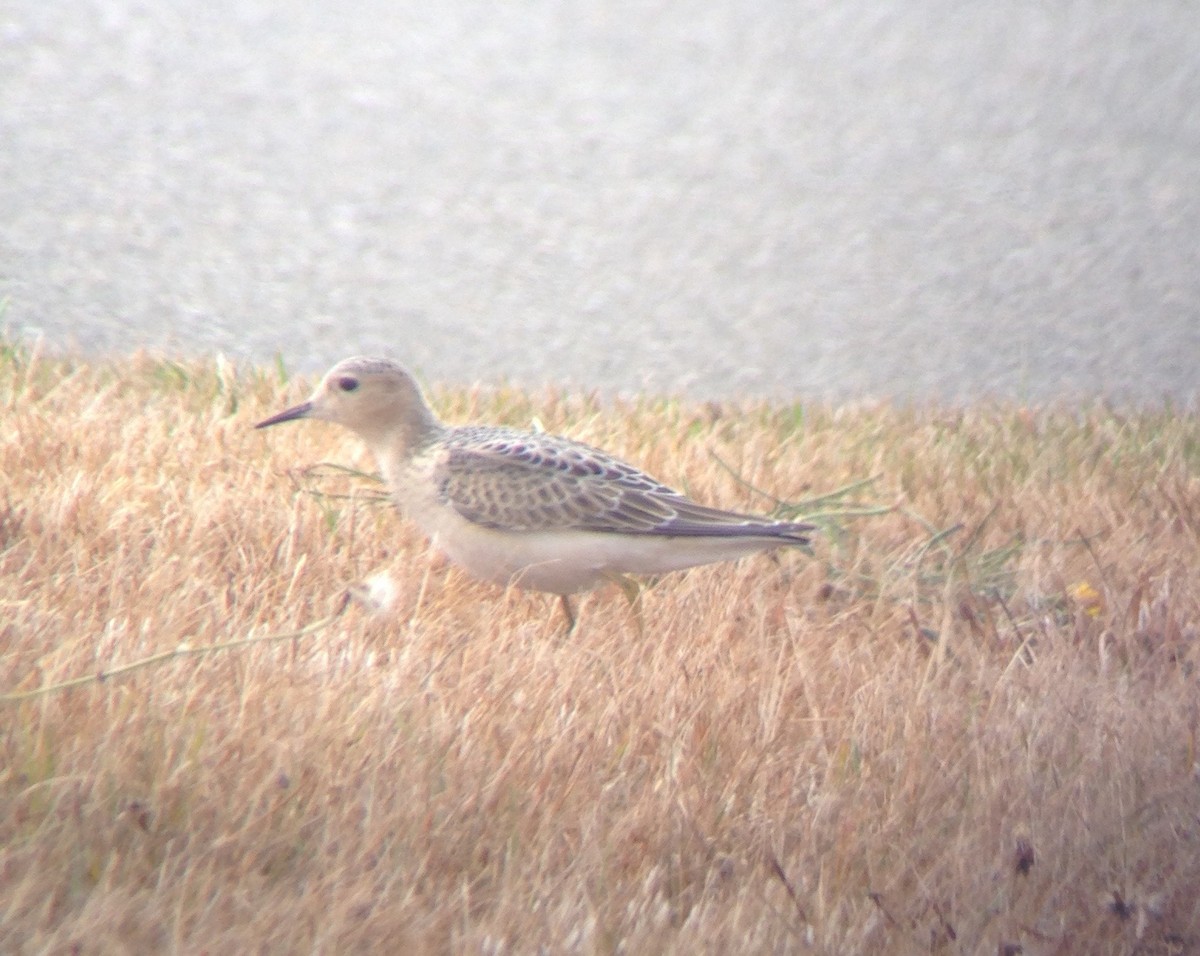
pixel 297 411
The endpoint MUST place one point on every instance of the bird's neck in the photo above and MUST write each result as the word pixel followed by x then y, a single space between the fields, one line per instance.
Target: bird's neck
pixel 398 445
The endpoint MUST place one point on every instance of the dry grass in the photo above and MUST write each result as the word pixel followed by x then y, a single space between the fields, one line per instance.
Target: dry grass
pixel 966 725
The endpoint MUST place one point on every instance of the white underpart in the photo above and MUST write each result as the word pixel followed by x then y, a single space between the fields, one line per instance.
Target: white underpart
pixel 564 562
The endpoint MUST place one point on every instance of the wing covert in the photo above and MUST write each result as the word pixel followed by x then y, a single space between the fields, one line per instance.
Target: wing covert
pixel 516 481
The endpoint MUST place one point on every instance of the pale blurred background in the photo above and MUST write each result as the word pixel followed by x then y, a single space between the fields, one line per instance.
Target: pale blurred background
pixel 926 200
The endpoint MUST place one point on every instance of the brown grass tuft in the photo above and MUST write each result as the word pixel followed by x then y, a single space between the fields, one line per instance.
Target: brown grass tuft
pixel 966 724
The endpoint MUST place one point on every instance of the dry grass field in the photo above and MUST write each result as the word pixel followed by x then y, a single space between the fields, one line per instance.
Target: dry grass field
pixel 965 723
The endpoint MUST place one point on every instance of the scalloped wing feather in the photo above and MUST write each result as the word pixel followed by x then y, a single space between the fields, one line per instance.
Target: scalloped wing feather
pixel 515 481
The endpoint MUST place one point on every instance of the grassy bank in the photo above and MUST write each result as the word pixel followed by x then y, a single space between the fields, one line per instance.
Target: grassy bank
pixel 967 723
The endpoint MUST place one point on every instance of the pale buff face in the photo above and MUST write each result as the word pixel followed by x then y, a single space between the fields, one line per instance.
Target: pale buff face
pixel 369 396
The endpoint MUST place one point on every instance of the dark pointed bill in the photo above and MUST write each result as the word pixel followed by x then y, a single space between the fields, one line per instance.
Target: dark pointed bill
pixel 298 411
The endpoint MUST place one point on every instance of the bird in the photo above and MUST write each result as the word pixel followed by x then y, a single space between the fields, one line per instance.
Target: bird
pixel 526 508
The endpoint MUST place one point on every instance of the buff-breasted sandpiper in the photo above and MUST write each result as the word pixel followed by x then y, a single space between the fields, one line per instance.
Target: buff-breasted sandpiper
pixel 525 508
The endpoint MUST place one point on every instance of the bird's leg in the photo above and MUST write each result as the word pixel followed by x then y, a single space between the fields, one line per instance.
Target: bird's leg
pixel 632 589
pixel 569 612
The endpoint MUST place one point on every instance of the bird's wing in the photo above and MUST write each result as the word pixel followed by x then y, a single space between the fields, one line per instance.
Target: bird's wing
pixel 532 482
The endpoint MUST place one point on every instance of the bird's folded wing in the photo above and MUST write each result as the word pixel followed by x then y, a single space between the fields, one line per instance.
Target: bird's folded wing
pixel 517 482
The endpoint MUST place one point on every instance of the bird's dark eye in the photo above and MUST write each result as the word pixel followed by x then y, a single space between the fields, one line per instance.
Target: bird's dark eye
pixel 347 383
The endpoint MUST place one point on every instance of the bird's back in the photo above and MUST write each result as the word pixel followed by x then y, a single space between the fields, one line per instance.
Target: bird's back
pixel 518 481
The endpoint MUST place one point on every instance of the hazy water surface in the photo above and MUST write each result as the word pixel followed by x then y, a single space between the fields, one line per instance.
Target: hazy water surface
pixel 926 199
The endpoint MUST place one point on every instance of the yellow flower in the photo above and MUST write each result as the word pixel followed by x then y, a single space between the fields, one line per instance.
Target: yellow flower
pixel 1088 598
